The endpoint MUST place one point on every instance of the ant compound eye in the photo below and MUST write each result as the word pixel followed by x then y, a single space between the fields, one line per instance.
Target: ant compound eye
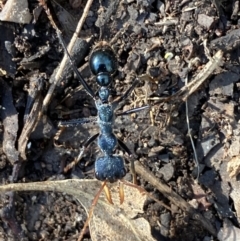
pixel 103 61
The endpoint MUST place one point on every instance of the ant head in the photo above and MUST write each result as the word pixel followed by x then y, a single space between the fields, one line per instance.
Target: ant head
pixel 103 63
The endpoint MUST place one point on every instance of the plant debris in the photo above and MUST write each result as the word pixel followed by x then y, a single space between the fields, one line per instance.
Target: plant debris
pixel 108 219
pixel 185 145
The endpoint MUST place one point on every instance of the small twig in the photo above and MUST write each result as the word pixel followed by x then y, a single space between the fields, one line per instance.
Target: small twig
pixel 206 50
pixel 90 212
pixel 70 47
pixel 29 125
pixel 190 88
pixel 174 197
pixel 206 72
pixel 143 191
pixel 190 136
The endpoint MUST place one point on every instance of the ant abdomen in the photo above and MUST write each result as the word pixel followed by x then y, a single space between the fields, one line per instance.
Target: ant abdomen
pixel 110 168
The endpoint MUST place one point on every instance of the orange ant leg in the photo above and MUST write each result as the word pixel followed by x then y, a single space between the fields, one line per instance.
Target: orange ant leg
pixel 140 189
pixel 108 194
pixel 143 191
pixel 121 192
pixel 90 214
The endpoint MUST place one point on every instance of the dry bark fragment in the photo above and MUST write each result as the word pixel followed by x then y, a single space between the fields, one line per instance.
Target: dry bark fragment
pixel 233 167
pixel 10 123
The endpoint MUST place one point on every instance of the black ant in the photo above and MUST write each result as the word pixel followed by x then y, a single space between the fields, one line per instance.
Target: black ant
pixel 103 64
pixel 109 167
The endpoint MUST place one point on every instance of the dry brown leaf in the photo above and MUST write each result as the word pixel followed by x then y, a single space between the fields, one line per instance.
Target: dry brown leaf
pixel 121 216
pixel 233 167
pixel 109 222
pixel 16 11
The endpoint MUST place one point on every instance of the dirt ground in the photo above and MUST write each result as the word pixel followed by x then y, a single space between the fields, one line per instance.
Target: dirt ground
pixel 186 57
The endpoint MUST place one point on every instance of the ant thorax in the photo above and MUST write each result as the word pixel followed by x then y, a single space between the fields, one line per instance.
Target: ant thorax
pixel 105 112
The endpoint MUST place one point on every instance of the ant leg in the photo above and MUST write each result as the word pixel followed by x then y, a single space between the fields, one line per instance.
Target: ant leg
pixel 76 122
pixel 126 94
pixel 79 75
pixel 143 191
pixel 108 194
pixel 90 213
pixel 76 160
pixel 121 192
pixel 134 110
pixel 124 147
pixel 132 167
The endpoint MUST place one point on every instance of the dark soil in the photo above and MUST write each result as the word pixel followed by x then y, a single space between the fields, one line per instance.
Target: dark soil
pixel 162 42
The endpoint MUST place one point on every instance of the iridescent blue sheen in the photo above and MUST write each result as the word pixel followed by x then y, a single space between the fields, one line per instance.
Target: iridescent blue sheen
pixel 103 64
pixel 103 94
pixel 112 168
pixel 103 79
pixel 105 112
pixel 107 143
pixel 103 60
